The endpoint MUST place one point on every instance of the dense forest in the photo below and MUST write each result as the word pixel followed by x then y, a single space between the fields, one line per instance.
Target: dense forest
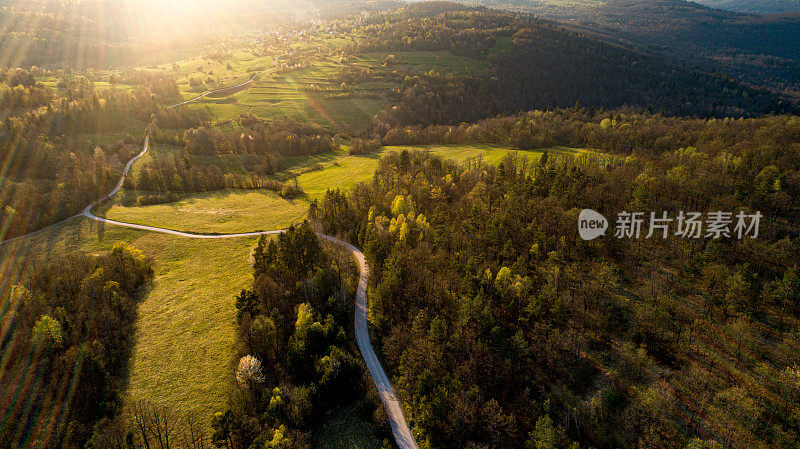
pixel 69 335
pixel 610 343
pixel 296 355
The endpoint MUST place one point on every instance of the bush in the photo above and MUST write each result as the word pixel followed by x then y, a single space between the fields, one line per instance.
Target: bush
pixel 364 146
pixel 290 191
pixel 157 198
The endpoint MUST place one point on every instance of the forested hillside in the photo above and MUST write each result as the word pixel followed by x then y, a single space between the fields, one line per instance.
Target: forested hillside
pixel 761 49
pixel 538 64
pixel 611 343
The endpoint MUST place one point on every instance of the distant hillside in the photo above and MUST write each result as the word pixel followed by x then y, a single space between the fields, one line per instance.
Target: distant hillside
pixel 757 49
pixel 101 33
pixel 754 6
pixel 537 64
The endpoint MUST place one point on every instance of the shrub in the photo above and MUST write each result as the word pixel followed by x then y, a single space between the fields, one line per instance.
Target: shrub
pixel 290 191
pixel 364 146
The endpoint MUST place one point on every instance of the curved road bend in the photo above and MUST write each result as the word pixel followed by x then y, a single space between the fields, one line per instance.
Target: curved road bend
pixel 86 212
pixel 275 67
pixel 402 434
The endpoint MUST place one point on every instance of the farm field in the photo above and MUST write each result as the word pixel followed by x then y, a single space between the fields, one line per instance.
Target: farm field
pixel 307 92
pixel 287 94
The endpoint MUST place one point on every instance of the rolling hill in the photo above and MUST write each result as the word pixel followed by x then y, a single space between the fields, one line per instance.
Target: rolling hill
pixel 754 6
pixel 759 49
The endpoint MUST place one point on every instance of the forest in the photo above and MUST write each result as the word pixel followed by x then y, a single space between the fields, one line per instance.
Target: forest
pixel 297 357
pixel 64 151
pixel 69 334
pixel 498 326
pixel 609 343
pixel 561 68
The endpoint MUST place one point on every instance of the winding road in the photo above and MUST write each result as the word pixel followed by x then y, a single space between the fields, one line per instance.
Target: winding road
pixel 207 93
pixel 397 421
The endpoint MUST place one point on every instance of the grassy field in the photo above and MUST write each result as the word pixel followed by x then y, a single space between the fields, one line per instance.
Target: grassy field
pixel 185 325
pixel 220 211
pixel 242 211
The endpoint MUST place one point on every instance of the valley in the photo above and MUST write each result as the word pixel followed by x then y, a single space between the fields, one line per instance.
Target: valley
pixel 358 230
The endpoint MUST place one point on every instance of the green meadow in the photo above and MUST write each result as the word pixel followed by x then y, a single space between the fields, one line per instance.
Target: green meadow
pixel 218 212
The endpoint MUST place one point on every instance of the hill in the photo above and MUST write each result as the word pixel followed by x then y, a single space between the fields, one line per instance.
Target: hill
pixel 112 33
pixel 541 64
pixel 754 6
pixel 760 49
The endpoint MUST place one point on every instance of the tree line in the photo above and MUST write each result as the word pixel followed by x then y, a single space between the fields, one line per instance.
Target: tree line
pixel 261 147
pixel 758 153
pixel 167 176
pixel 283 137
